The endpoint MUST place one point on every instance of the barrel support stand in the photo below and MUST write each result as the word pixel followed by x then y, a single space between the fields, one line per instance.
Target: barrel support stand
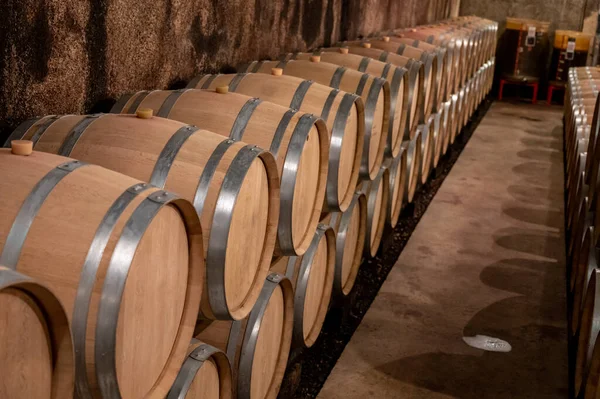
pixel 533 85
pixel 551 88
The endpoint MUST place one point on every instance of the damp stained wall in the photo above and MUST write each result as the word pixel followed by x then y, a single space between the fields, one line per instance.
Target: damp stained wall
pixel 63 56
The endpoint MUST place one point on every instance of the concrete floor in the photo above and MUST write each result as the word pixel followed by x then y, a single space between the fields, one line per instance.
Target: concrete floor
pixel 486 258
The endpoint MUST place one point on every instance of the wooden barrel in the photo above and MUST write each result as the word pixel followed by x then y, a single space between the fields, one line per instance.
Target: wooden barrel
pixel 579 258
pixel 374 91
pixel 454 118
pixel 429 61
pixel 299 142
pixel 414 156
pixel 434 122
pixel 343 113
pixel 588 331
pixel 258 346
pixel 37 349
pixel 397 183
pixel 205 373
pixel 583 269
pixel 416 78
pixel 591 383
pixel 350 229
pixel 83 230
pixel 440 78
pixel 312 278
pixel 445 126
pixel 396 76
pixel 427 147
pixel 377 192
pixel 453 48
pixel 214 174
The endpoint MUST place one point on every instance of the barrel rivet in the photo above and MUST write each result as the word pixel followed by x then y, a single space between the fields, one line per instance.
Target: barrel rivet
pixel 275 278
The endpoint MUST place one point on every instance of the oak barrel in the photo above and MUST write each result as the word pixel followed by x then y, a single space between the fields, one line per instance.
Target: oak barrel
pixel 343 112
pixel 123 257
pixel 299 142
pixel 396 76
pixel 430 66
pixel 440 77
pixel 374 91
pixel 258 346
pixel 416 77
pixel 427 149
pixel 414 155
pixel 397 168
pixel 377 192
pixel 350 232
pixel 211 172
pixel 312 278
pixel 36 355
pixel 588 331
pixel 205 374
pixel 453 46
pixel 583 268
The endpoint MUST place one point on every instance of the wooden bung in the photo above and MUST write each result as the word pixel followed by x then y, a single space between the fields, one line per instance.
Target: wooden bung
pixel 312 278
pixel 416 79
pixel 298 141
pixel 398 79
pixel 124 258
pixel 374 91
pixel 214 174
pixel 350 228
pixel 259 345
pixel 37 348
pixel 144 113
pixel 205 373
pixel 21 147
pixel 342 112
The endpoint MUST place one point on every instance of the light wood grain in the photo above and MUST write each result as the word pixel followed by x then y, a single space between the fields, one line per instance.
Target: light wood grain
pixel 218 112
pixel 166 288
pixel 281 89
pixel 132 146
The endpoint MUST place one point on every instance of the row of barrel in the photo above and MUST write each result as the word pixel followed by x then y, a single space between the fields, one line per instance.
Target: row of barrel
pixel 193 237
pixel 582 153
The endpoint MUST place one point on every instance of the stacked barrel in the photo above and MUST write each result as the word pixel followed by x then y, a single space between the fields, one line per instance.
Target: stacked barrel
pixel 191 238
pixel 581 163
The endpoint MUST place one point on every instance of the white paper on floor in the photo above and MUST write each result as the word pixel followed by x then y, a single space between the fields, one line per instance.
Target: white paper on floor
pixel 486 343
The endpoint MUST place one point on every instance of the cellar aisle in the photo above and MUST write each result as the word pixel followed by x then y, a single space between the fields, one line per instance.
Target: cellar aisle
pixel 487 258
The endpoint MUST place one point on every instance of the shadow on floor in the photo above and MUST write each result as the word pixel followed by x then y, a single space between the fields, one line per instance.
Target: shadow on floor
pixel 526 371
